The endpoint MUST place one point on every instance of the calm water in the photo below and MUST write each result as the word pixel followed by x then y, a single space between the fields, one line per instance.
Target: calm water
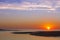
pixel 7 35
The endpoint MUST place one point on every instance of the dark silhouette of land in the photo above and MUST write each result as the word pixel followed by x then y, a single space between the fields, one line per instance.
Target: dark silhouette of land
pixel 2 29
pixel 47 33
pixel 21 32
pixel 41 33
pixel 8 30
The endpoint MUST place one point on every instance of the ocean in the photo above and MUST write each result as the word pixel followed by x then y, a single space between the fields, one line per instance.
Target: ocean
pixel 7 35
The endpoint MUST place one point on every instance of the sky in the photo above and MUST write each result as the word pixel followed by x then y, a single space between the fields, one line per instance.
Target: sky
pixel 29 14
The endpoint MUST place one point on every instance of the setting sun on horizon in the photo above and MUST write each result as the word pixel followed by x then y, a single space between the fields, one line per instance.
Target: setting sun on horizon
pixel 48 26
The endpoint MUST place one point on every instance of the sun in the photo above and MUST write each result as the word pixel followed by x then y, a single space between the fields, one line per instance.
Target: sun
pixel 48 27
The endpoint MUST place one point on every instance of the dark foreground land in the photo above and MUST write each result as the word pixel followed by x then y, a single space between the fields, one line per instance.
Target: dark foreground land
pixel 41 33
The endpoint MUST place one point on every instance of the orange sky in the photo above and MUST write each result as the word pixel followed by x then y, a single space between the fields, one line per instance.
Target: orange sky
pixel 28 24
